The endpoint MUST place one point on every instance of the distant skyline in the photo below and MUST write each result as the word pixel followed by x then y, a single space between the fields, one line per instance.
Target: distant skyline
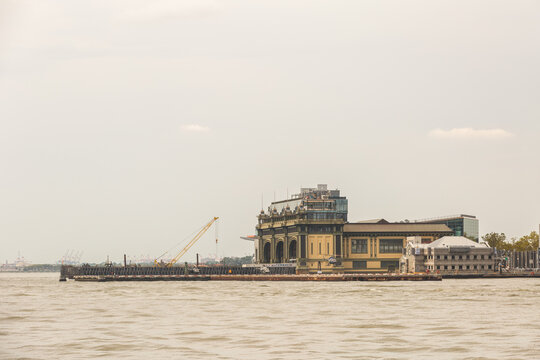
pixel 127 125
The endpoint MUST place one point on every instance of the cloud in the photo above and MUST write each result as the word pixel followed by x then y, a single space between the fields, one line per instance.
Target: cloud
pixel 195 128
pixel 470 133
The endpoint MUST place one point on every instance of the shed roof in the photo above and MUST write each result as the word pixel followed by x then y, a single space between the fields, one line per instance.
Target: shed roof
pixel 414 228
pixel 455 241
pixel 373 221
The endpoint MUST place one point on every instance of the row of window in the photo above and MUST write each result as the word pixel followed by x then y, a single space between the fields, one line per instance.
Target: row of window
pixel 386 246
pixel 385 264
pixel 359 246
pixel 462 257
pixel 325 216
pixel 460 267
pixel 320 248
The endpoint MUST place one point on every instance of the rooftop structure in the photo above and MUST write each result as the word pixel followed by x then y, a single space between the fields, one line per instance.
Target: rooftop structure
pixel 326 204
pixel 462 224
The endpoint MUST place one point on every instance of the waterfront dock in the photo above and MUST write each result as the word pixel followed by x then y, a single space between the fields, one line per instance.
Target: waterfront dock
pixel 262 277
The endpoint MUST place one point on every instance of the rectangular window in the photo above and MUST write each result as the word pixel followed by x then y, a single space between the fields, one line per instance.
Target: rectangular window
pixel 460 267
pixel 303 246
pixel 359 264
pixel 489 267
pixel 438 267
pixel 445 257
pixel 445 267
pixel 359 246
pixel 390 246
pixel 389 264
pixel 438 257
pixel 319 248
pixel 338 245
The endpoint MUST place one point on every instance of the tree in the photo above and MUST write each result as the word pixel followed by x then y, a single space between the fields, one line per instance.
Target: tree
pixel 235 261
pixel 470 237
pixel 527 242
pixel 496 240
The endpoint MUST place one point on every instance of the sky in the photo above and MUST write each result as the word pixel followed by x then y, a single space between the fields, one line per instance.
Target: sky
pixel 127 125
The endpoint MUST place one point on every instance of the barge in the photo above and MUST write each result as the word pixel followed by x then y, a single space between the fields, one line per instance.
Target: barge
pixel 220 273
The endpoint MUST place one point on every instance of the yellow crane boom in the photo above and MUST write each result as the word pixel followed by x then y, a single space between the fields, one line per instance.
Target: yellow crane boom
pixel 191 243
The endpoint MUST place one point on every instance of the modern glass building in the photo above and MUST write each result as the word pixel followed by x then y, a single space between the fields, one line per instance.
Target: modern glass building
pixel 462 225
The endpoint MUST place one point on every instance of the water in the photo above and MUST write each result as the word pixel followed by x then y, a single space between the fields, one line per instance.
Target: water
pixel 41 318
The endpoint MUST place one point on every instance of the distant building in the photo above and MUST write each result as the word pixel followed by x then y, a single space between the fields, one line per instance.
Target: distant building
pixel 291 228
pixel 311 229
pixel 462 225
pixel 447 255
pixel 376 247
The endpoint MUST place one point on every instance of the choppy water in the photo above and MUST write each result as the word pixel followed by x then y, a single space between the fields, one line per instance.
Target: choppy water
pixel 41 318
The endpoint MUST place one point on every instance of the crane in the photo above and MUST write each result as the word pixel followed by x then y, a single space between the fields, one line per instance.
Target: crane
pixel 188 246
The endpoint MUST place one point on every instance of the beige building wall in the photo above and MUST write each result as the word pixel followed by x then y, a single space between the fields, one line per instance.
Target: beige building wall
pixel 373 256
pixel 319 248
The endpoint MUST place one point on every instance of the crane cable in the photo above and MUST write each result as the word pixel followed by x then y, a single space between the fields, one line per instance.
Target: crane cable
pixel 190 236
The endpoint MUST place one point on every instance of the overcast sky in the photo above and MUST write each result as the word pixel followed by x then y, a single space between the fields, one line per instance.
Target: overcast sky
pixel 127 125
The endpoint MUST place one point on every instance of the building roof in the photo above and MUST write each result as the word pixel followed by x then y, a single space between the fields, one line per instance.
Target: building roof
pixel 373 221
pixel 455 241
pixel 414 228
pixel 446 218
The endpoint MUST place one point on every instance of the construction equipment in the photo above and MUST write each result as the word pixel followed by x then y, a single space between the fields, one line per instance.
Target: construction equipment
pixel 187 247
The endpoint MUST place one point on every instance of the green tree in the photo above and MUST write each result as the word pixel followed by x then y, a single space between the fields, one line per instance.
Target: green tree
pixel 470 237
pixel 496 240
pixel 527 242
pixel 234 260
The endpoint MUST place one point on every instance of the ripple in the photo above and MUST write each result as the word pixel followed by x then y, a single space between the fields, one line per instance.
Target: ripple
pixel 474 319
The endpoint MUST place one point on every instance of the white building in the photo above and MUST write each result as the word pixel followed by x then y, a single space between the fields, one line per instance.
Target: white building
pixel 447 255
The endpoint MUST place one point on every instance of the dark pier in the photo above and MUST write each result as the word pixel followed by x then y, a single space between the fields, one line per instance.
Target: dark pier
pixel 221 273
pixel 164 273
pixel 321 277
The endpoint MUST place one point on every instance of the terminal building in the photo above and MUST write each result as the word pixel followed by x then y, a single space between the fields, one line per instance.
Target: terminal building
pixel 312 230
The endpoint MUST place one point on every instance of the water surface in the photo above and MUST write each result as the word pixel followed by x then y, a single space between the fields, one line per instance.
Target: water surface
pixel 41 318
